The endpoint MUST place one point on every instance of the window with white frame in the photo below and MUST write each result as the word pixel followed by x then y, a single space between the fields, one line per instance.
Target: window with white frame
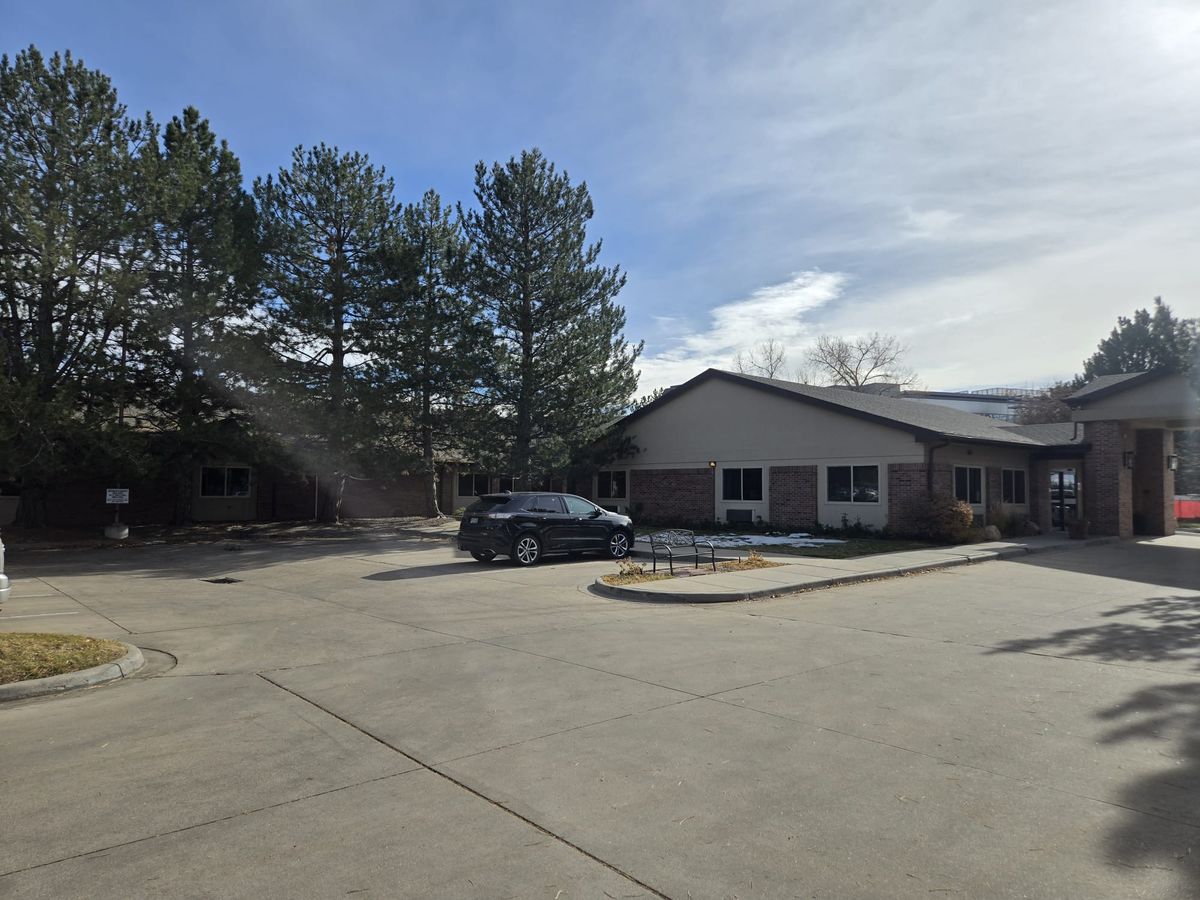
pixel 1012 486
pixel 224 481
pixel 968 484
pixel 471 484
pixel 852 484
pixel 611 485
pixel 741 484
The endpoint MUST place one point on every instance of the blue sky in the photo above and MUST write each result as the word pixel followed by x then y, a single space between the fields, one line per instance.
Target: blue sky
pixel 993 182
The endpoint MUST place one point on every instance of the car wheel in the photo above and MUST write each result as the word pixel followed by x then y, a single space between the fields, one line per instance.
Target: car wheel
pixel 484 555
pixel 527 550
pixel 618 544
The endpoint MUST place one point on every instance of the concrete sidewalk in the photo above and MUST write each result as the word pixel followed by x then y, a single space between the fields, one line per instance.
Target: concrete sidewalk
pixel 808 573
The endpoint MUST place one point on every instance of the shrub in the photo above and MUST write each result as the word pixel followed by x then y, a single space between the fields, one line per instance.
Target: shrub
pixel 631 567
pixel 943 518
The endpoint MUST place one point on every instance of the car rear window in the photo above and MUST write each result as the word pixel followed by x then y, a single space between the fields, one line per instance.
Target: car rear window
pixel 487 504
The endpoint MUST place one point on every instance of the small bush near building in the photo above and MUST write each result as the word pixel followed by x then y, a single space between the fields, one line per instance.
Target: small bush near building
pixel 944 519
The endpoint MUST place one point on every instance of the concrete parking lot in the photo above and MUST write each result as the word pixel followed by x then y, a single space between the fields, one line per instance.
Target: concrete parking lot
pixel 390 719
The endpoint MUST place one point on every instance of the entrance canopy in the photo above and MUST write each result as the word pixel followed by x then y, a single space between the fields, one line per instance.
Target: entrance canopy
pixel 1140 399
pixel 1129 424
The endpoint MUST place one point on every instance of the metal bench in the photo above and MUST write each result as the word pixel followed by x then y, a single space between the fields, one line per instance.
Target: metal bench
pixel 669 545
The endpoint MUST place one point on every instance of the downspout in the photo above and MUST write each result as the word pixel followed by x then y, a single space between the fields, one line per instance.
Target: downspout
pixel 930 449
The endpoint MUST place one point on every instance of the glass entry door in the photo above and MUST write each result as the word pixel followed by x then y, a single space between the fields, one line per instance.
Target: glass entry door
pixel 1064 497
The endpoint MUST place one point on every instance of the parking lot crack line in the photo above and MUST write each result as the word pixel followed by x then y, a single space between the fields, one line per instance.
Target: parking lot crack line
pixel 431 767
pixel 219 819
pixel 442 762
pixel 667 687
pixel 95 611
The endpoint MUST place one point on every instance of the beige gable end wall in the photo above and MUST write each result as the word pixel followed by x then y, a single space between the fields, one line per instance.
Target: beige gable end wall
pixel 738 426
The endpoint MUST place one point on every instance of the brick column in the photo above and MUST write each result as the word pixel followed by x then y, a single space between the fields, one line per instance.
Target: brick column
pixel 1107 484
pixel 793 496
pixel 1154 483
pixel 1038 493
pixel 995 494
pixel 676 496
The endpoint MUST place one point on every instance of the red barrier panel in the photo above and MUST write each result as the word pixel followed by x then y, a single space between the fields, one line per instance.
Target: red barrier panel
pixel 1187 509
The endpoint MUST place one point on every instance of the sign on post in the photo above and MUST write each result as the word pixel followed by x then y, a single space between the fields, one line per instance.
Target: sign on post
pixel 116 496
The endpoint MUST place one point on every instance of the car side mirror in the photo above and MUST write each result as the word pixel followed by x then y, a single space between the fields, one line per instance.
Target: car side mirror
pixel 596 513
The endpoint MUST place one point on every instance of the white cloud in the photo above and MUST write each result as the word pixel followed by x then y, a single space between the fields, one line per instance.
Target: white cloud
pixel 776 311
pixel 1001 180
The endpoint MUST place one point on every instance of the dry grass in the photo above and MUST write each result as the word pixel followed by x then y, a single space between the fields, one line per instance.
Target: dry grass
pixel 633 572
pixel 752 560
pixel 26 656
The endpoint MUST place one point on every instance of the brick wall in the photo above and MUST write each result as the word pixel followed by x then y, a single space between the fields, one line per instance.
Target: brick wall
pixel 1153 483
pixel 792 494
pixel 908 489
pixel 1107 484
pixel 994 495
pixel 672 495
pixel 1040 511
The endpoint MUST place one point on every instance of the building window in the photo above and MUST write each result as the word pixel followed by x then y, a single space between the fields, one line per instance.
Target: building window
pixel 852 484
pixel 506 483
pixel 224 481
pixel 610 485
pixel 741 484
pixel 472 485
pixel 968 484
pixel 1013 485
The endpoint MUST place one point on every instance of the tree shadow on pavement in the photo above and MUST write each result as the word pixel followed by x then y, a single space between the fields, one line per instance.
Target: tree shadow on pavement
pixel 1154 833
pixel 1159 629
pixel 1168 715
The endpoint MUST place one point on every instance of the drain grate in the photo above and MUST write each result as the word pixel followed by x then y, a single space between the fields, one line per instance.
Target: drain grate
pixel 223 580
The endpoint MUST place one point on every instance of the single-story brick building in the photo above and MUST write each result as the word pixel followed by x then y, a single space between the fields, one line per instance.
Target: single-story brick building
pixel 740 448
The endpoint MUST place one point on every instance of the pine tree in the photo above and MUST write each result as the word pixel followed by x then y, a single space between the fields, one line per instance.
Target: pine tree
pixel 1148 340
pixel 326 223
pixel 200 291
pixel 73 247
pixel 562 367
pixel 430 346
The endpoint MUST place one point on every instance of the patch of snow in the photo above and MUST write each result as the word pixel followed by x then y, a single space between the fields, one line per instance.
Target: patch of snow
pixel 735 541
pixel 800 539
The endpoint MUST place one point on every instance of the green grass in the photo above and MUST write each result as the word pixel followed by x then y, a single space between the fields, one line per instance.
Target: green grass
pixel 26 656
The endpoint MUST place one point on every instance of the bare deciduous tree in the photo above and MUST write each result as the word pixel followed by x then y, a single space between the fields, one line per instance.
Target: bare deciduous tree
pixel 768 359
pixel 872 359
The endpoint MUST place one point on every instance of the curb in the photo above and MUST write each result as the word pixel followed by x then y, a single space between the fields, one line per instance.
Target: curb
pixel 617 592
pixel 56 684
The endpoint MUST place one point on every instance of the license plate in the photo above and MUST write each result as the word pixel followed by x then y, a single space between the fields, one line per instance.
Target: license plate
pixel 474 520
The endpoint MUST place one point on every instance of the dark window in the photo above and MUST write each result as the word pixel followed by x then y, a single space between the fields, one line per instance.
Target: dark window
pixel 544 503
pixel 839 484
pixel 224 481
pixel 1013 485
pixel 470 485
pixel 852 484
pixel 506 483
pixel 968 484
pixel 866 484
pixel 741 484
pixel 610 485
pixel 577 506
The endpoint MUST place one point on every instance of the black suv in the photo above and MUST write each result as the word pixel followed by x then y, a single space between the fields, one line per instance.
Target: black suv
pixel 527 525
